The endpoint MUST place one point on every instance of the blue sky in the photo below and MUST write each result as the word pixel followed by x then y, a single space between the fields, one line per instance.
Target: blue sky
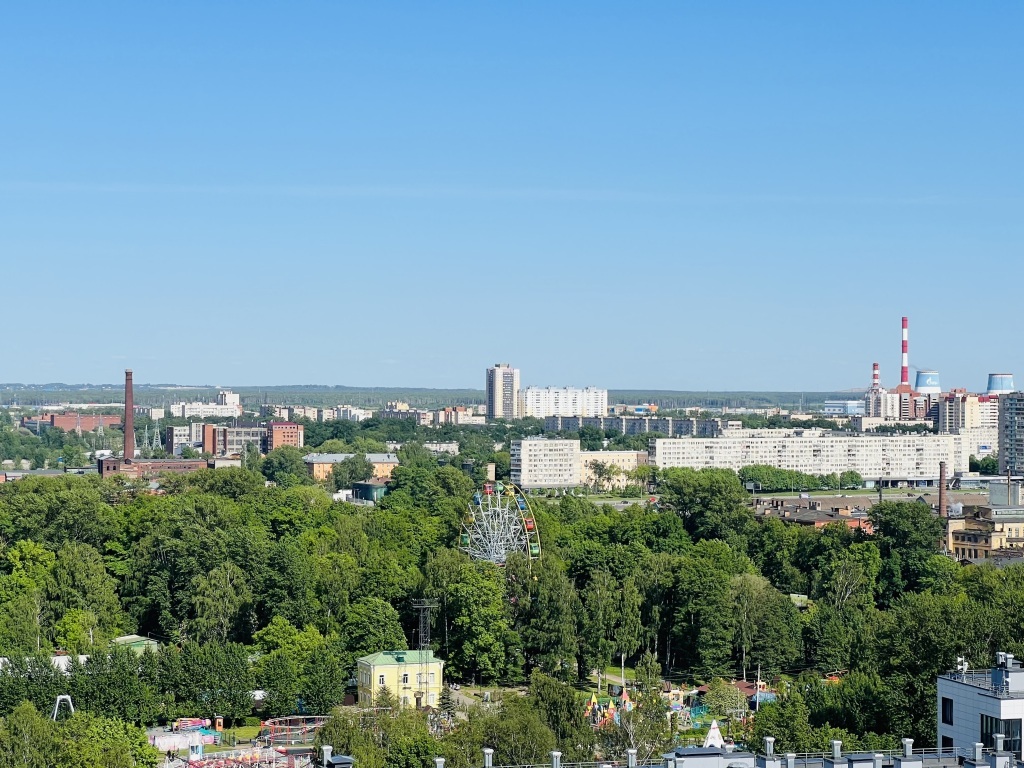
pixel 670 195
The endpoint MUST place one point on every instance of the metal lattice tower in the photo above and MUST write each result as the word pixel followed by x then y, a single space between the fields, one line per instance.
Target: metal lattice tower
pixel 157 444
pixel 498 523
pixel 424 607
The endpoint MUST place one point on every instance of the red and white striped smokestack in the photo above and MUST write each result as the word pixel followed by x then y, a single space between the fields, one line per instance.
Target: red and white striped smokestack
pixel 904 366
pixel 874 377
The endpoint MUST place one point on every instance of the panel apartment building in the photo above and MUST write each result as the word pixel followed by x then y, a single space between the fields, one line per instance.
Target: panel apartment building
pixel 891 458
pixel 542 402
pixel 541 462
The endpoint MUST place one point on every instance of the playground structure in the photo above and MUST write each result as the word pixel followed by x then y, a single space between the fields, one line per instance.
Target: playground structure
pixel 287 731
pixel 62 699
pixel 499 521
pixel 607 710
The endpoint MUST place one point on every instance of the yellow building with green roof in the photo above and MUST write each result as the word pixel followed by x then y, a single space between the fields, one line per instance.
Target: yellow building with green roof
pixel 414 678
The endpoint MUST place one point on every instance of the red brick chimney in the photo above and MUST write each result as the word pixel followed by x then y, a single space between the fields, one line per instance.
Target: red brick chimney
pixel 129 416
pixel 943 501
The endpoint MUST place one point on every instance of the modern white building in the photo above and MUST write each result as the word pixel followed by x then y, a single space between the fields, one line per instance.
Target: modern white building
pixel 176 438
pixel 542 402
pixel 843 408
pixel 437 448
pixel 228 406
pixel 540 462
pixel 351 413
pixel 880 404
pixel 502 387
pixel 974 705
pixel 890 458
pixel 227 397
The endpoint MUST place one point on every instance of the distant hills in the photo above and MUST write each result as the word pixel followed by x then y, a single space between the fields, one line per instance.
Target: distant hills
pixel 320 394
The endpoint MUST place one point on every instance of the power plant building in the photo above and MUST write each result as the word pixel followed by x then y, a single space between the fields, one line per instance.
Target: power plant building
pixel 1000 384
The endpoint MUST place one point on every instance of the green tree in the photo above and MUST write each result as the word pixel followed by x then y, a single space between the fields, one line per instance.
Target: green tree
pixel 219 600
pixel 352 470
pixel 629 630
pixel 725 699
pixel 787 721
pixel 371 625
pixel 279 678
pixel 27 739
pixel 907 534
pixel 600 604
pixel 550 635
pixel 644 727
pixel 285 466
pixel 711 502
pixel 561 710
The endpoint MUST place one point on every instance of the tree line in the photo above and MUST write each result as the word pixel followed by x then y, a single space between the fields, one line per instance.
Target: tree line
pixel 280 588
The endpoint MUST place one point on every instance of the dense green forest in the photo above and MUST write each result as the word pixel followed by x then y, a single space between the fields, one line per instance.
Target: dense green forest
pixel 248 585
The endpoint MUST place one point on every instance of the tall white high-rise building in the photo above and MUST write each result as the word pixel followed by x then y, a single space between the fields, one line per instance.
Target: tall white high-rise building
pixel 541 402
pixel 502 392
pixel 227 397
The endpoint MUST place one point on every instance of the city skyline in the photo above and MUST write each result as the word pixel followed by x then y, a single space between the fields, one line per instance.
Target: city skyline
pixel 687 198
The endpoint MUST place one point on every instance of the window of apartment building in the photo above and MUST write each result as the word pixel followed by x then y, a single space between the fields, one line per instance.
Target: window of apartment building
pixel 947 743
pixel 405 678
pixel 380 680
pixel 433 676
pixel 947 711
pixel 1009 728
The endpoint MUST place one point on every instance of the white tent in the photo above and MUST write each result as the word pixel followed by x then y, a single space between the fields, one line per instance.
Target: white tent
pixel 714 737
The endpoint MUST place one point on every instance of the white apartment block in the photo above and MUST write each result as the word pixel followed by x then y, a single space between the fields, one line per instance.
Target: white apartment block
pixel 538 462
pixel 351 413
pixel 205 410
pixel 880 404
pixel 976 704
pixel 502 394
pixel 542 402
pixel 816 452
pixel 227 397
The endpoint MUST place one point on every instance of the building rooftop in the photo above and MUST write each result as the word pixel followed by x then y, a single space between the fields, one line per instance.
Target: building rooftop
pixel 337 458
pixel 399 657
pixel 1005 680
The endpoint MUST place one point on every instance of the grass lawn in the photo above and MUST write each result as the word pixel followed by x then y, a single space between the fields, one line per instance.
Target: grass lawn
pixel 245 733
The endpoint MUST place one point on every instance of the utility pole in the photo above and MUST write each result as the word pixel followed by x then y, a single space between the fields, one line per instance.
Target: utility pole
pixel 757 693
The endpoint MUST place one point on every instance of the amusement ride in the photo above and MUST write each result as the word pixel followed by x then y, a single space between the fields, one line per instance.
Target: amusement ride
pixel 499 522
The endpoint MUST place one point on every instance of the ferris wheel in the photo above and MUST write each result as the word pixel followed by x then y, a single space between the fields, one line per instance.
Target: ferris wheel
pixel 499 521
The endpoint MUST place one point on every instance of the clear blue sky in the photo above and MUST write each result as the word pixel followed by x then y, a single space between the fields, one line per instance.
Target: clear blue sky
pixel 671 195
